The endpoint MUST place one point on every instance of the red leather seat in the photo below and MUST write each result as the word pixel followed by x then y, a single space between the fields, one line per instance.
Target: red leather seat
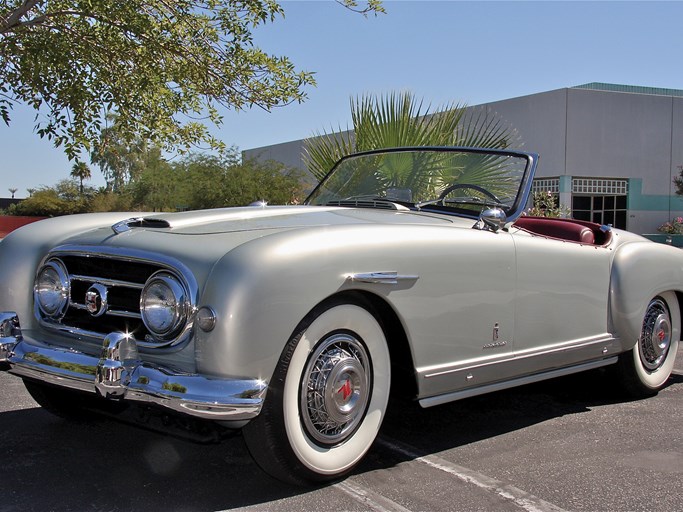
pixel 563 229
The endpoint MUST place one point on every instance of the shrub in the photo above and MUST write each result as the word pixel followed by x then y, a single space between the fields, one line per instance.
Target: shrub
pixel 673 227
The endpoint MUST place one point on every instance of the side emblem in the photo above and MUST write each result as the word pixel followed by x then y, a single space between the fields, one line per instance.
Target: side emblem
pixel 96 300
pixel 495 342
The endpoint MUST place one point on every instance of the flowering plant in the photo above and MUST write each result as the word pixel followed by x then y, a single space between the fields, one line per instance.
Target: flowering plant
pixel 545 204
pixel 674 227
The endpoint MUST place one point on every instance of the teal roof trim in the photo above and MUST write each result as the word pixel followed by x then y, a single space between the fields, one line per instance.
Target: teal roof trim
pixel 636 89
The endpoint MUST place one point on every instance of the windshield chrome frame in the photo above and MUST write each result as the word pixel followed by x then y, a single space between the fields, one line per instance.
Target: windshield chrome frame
pixel 514 211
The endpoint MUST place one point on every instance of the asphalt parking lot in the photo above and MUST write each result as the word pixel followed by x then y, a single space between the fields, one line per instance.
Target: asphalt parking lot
pixel 568 444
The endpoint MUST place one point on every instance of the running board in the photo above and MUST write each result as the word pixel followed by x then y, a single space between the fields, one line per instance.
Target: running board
pixel 499 386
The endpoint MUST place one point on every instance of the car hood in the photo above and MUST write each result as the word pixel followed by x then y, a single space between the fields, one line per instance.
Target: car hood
pixel 200 238
pixel 230 220
pixel 204 236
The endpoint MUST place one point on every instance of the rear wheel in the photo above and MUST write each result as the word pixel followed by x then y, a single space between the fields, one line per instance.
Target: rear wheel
pixel 646 368
pixel 327 399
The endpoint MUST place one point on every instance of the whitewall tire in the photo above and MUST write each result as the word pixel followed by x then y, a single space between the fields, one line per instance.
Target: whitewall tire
pixel 328 397
pixel 647 367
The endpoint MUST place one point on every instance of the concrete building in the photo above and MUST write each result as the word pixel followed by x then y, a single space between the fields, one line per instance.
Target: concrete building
pixel 609 151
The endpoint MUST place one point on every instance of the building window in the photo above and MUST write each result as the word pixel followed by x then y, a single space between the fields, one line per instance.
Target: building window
pixel 607 186
pixel 546 185
pixel 600 200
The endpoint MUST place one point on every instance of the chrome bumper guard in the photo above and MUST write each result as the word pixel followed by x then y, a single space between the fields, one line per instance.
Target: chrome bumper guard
pixel 120 374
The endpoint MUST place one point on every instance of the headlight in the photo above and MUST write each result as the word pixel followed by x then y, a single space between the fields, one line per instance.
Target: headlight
pixel 164 305
pixel 51 289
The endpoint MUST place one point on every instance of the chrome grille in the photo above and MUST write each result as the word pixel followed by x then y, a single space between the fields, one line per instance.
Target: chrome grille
pixel 117 279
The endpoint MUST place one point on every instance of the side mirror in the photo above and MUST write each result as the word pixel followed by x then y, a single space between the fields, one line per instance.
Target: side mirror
pixel 493 219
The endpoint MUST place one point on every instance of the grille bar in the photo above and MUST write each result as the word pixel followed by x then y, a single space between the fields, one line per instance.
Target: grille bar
pixel 110 312
pixel 107 282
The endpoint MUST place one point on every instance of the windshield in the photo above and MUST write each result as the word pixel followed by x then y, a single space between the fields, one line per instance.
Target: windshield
pixel 451 180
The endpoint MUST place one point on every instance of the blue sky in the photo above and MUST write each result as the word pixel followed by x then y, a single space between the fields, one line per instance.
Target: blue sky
pixel 443 51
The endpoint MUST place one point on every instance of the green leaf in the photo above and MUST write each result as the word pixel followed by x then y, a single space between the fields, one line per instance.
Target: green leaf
pixel 401 120
pixel 156 64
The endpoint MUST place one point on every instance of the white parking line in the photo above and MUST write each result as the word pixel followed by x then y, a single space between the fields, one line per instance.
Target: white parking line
pixel 521 498
pixel 368 498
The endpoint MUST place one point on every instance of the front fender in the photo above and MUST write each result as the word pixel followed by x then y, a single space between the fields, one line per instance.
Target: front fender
pixel 640 272
pixel 263 289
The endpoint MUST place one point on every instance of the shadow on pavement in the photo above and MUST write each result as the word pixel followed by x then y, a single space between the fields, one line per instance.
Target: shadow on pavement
pixel 52 464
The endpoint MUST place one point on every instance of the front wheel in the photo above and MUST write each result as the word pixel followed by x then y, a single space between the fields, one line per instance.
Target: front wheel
pixel 646 368
pixel 327 398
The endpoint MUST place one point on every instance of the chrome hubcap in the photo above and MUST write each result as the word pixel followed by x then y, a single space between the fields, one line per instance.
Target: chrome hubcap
pixel 335 389
pixel 655 338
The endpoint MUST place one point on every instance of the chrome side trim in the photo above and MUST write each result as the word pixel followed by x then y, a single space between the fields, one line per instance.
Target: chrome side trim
pixel 381 277
pixel 499 386
pixel 598 341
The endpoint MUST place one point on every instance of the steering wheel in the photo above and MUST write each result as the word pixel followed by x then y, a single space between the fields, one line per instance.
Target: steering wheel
pixel 448 190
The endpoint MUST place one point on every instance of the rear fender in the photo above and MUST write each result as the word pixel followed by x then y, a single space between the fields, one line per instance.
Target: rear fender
pixel 640 272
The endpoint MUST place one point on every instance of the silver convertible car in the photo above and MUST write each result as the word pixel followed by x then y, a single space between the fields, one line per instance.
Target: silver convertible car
pixel 411 271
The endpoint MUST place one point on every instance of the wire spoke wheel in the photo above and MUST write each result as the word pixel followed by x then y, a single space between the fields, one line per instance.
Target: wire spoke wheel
pixel 646 368
pixel 655 338
pixel 335 389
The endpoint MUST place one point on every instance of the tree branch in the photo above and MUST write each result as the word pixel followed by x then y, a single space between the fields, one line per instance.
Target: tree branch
pixel 8 23
pixel 372 6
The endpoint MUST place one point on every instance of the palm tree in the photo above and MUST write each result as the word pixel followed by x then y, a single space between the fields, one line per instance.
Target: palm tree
pixel 400 120
pixel 122 156
pixel 12 191
pixel 81 171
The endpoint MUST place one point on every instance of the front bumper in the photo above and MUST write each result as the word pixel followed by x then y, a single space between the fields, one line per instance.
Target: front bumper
pixel 120 374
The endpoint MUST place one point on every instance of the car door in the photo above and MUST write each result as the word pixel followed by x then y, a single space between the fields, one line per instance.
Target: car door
pixel 461 313
pixel 561 313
